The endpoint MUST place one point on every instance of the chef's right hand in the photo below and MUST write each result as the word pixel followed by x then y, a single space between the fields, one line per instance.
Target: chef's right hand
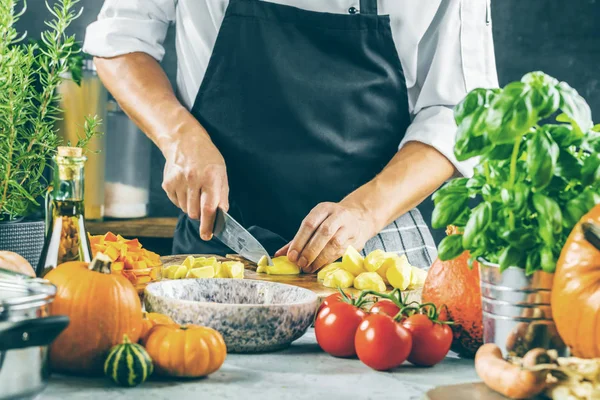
pixel 195 178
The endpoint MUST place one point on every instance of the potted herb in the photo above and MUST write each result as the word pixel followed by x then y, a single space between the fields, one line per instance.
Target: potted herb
pixel 29 76
pixel 538 173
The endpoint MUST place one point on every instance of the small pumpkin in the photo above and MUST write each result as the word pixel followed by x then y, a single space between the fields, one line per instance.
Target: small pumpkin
pixel 102 308
pixel 150 320
pixel 14 262
pixel 189 351
pixel 128 364
pixel 453 284
pixel 576 291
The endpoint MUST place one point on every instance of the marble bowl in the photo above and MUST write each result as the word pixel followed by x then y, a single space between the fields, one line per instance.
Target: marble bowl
pixel 252 316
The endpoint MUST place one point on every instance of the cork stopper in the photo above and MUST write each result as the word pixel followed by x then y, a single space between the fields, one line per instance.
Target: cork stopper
pixel 64 151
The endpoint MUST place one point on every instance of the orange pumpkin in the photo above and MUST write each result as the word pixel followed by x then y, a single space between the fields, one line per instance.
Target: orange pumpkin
pixel 186 351
pixel 102 308
pixel 576 292
pixel 14 262
pixel 453 284
pixel 150 320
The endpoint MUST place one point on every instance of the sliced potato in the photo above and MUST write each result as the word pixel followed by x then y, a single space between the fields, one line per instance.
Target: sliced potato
pixel 201 272
pixel 219 270
pixel 375 259
pixel 169 272
pixel 353 262
pixel 232 269
pixel 180 272
pixel 399 272
pixel 189 262
pixel 281 266
pixel 328 269
pixel 340 278
pixel 263 262
pixel 417 277
pixel 369 281
pixel 204 262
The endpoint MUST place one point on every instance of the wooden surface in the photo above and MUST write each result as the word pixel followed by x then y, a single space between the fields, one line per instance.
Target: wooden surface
pixel 307 281
pixel 135 228
pixel 471 391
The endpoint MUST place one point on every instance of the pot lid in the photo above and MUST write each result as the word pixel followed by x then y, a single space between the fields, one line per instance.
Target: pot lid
pixel 17 295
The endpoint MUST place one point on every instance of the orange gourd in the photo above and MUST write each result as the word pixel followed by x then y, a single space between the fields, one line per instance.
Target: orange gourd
pixel 453 284
pixel 576 292
pixel 150 320
pixel 102 307
pixel 189 351
pixel 16 263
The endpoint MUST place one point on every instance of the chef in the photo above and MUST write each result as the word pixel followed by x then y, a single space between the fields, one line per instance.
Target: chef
pixel 319 124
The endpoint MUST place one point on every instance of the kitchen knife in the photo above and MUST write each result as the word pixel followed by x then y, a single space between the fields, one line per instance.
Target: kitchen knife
pixel 238 239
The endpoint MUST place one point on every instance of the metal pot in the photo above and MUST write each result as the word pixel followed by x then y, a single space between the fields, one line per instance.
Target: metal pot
pixel 26 330
pixel 517 316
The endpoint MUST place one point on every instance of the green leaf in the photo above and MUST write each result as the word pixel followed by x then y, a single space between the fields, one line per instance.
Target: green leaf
pixel 454 186
pixel 574 210
pixel 590 172
pixel 467 145
pixel 545 96
pixel 450 247
pixel 477 224
pixel 533 262
pixel 547 259
pixel 564 135
pixel 509 257
pixel 568 166
pixel 549 218
pixel 474 101
pixel 500 152
pixel 575 107
pixel 516 198
pixel 520 238
pixel 511 114
pixel 447 210
pixel 542 155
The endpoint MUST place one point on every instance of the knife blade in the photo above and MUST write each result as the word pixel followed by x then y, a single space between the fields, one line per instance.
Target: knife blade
pixel 238 239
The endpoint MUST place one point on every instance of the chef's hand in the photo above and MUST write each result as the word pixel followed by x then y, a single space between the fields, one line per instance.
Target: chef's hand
pixel 195 178
pixel 326 233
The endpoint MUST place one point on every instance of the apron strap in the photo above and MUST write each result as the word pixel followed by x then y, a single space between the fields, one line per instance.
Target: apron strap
pixel 368 7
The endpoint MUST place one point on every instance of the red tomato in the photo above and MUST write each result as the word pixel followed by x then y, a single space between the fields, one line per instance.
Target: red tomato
pixel 335 328
pixel 385 307
pixel 382 343
pixel 431 341
pixel 331 299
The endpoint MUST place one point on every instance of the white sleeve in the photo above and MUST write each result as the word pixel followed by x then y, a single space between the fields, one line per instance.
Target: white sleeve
pixel 127 26
pixel 456 55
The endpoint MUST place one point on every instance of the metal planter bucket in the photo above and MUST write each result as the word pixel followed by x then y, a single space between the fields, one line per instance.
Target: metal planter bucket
pixel 517 316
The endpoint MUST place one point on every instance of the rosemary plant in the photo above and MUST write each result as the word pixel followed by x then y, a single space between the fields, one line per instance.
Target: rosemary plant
pixel 29 76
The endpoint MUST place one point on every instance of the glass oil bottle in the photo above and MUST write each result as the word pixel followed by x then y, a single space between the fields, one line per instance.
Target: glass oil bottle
pixel 66 236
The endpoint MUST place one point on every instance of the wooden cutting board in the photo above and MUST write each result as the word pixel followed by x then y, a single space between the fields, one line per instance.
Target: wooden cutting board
pixel 307 281
pixel 471 391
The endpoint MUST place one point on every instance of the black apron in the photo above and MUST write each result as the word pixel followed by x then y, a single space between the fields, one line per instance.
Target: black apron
pixel 304 106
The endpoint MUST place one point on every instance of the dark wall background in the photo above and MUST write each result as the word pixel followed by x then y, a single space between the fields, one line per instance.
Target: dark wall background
pixel 559 37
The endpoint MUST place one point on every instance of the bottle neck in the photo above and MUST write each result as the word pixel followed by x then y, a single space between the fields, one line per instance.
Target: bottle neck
pixel 68 178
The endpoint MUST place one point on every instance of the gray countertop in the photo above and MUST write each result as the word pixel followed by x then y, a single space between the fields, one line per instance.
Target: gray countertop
pixel 302 371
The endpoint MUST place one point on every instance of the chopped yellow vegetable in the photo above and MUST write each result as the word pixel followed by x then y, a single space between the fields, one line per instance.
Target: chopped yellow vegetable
pixel 399 272
pixel 353 262
pixel 180 272
pixel 169 272
pixel 219 272
pixel 189 262
pixel 281 266
pixel 204 262
pixel 201 272
pixel 339 278
pixel 369 281
pixel 417 277
pixel 375 259
pixel 263 262
pixel 328 269
pixel 232 269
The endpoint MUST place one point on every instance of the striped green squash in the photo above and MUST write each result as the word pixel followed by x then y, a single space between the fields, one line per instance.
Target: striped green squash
pixel 128 364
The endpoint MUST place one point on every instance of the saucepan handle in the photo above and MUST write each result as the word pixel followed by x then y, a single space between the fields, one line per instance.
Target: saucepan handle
pixel 32 332
pixel 591 232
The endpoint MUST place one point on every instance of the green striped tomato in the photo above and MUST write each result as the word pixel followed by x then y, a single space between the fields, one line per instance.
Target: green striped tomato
pixel 128 364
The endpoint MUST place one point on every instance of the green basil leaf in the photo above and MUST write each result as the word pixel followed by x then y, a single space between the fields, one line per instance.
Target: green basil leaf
pixel 549 218
pixel 463 218
pixel 575 107
pixel 590 172
pixel 447 210
pixel 457 186
pixel 511 114
pixel 533 262
pixel 539 79
pixel 574 210
pixel 467 145
pixel 477 224
pixel 520 238
pixel 475 182
pixel 542 155
pixel 509 257
pixel 450 247
pixel 568 166
pixel 545 98
pixel 500 152
pixel 564 135
pixel 475 100
pixel 547 259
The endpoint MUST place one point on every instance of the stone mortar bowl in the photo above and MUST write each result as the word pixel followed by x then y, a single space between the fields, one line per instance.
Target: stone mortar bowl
pixel 252 316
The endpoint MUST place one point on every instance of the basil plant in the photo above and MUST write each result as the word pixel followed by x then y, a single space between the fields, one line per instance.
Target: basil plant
pixel 538 173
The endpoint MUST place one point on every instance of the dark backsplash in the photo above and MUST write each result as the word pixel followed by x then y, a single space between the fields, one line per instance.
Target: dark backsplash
pixel 561 38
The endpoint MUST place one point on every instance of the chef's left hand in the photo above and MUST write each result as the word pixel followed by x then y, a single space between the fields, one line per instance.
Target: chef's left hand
pixel 326 233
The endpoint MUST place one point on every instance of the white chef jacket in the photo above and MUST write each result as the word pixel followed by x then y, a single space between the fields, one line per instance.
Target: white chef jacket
pixel 445 47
